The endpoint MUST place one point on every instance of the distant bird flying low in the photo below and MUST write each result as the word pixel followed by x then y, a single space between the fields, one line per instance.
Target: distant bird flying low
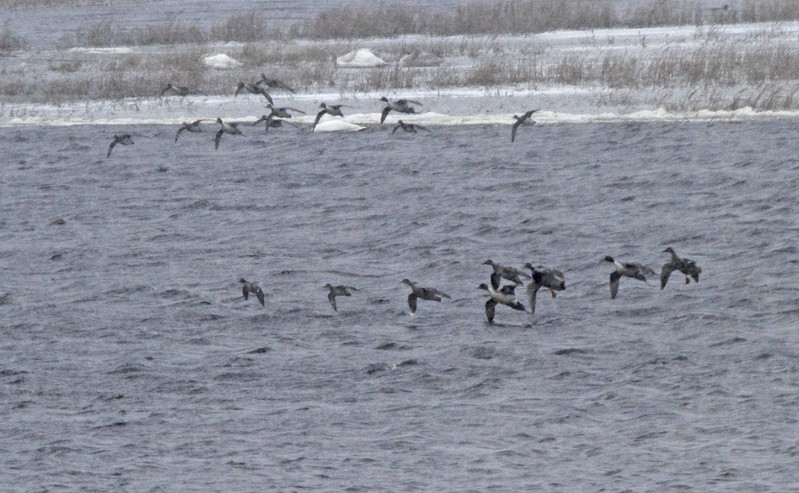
pixel 252 88
pixel 123 139
pixel 189 127
pixel 251 287
pixel 417 292
pixel 337 291
pixel 273 83
pixel 684 265
pixel 227 128
pixel 630 269
pixel 543 278
pixel 400 106
pixel 504 296
pixel 332 110
pixel 521 120
pixel 180 90
pixel 408 127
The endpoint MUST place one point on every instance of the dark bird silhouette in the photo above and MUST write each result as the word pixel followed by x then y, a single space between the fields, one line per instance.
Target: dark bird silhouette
pixel 252 88
pixel 180 90
pixel 684 265
pixel 504 296
pixel 417 292
pixel 251 287
pixel 521 120
pixel 543 278
pixel 400 106
pixel 512 274
pixel 189 127
pixel 227 128
pixel 337 291
pixel 123 139
pixel 282 112
pixel 409 127
pixel 630 269
pixel 332 110
pixel 273 83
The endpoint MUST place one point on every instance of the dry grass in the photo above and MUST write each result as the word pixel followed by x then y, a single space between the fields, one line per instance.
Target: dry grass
pixel 9 41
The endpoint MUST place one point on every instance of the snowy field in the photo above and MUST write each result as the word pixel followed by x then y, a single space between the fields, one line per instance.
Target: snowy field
pixel 665 73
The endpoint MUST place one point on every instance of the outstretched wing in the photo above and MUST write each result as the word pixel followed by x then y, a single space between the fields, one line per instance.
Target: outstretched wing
pixel 332 299
pixel 110 148
pixel 218 138
pixel 614 284
pixel 412 302
pixel 385 113
pixel 532 290
pixel 318 117
pixel 490 307
pixel 665 272
pixel 181 129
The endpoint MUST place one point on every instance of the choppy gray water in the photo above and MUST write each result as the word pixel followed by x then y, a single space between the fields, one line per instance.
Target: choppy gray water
pixel 130 360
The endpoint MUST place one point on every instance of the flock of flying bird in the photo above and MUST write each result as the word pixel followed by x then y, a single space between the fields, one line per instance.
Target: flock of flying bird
pixel 498 294
pixel 539 277
pixel 278 115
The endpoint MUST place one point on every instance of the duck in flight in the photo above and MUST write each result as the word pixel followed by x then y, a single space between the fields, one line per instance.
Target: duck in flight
pixel 251 287
pixel 543 278
pixel 630 269
pixel 521 120
pixel 227 128
pixel 254 89
pixel 273 83
pixel 400 106
pixel 409 127
pixel 337 291
pixel 189 127
pixel 271 122
pixel 418 292
pixel 500 296
pixel 512 274
pixel 282 112
pixel 332 110
pixel 180 90
pixel 123 139
pixel 684 265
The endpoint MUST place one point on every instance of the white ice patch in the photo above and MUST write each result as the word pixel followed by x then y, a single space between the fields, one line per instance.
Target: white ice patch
pixel 337 125
pixel 360 58
pixel 221 61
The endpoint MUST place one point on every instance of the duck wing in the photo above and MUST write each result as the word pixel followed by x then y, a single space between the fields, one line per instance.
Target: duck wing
pixel 332 299
pixel 217 139
pixel 665 272
pixel 614 284
pixel 385 113
pixel 490 308
pixel 412 302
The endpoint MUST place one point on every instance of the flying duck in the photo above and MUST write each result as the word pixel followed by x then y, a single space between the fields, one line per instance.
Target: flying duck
pixel 337 291
pixel 251 287
pixel 634 270
pixel 190 127
pixel 123 139
pixel 273 83
pixel 271 122
pixel 684 265
pixel 332 110
pixel 512 274
pixel 180 90
pixel 254 89
pixel 547 278
pixel 409 127
pixel 400 105
pixel 521 120
pixel 430 294
pixel 282 112
pixel 227 128
pixel 504 296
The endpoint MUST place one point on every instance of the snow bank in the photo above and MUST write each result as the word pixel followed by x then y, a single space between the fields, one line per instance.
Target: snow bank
pixel 360 58
pixel 221 61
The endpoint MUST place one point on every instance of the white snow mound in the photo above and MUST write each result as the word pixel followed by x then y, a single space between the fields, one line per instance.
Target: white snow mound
pixel 337 125
pixel 360 58
pixel 221 61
